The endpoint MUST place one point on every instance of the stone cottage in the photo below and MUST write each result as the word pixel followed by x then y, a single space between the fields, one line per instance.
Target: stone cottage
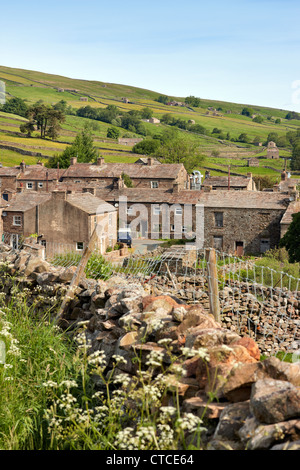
pixel 62 222
pixel 247 224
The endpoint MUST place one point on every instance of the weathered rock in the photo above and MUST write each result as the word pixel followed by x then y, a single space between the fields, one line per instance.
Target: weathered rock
pixel 67 274
pixel 222 360
pixel 256 436
pixel 202 407
pixel 199 337
pixel 273 401
pixel 282 370
pixel 179 313
pixel 163 303
pixel 231 420
pixel 197 317
pixel 240 379
pixel 250 345
pixel 287 446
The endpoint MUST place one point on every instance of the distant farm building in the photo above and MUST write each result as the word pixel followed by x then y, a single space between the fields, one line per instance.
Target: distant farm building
pixel 129 140
pixel 253 162
pixel 83 98
pixel 272 150
pixel 154 120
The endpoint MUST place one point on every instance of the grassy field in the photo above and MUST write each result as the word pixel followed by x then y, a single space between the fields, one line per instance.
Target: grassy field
pixel 33 86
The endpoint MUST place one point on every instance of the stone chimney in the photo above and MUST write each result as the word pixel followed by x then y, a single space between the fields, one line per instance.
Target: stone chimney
pixel 100 161
pixel 176 188
pixel 120 183
pixel 89 190
pixel 73 161
pixel 150 161
pixel 283 175
pixel 22 166
pixel 59 194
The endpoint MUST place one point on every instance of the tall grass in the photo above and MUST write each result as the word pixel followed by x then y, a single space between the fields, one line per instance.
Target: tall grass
pixel 57 395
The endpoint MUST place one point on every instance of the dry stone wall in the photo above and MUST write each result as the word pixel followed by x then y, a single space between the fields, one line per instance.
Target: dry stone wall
pixel 246 403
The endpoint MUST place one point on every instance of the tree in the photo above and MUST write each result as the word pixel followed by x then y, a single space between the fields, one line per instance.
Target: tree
pixel 295 160
pixel 163 99
pixel 82 148
pixel 27 128
pixel 291 239
pixel 146 146
pixel 15 106
pixel 247 112
pixel 193 101
pixel 146 113
pixel 264 181
pixel 127 180
pixel 272 137
pixel 258 119
pixel 174 149
pixel 243 138
pixel 113 133
pixel 46 118
pixel 292 115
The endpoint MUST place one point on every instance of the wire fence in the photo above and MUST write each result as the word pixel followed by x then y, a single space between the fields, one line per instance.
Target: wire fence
pixel 246 297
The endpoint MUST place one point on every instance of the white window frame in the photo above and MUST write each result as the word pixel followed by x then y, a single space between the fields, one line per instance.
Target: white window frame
pixel 79 249
pixel 154 184
pixel 29 185
pixel 156 210
pixel 40 184
pixel 130 210
pixel 178 211
pixel 15 217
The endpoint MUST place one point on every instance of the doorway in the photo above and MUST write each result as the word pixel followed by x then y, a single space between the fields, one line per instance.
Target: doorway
pixel 239 248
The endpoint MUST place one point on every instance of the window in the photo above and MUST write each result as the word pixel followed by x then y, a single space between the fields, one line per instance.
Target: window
pixel 156 210
pixel 130 211
pixel 218 242
pixel 79 246
pixel 219 219
pixel 17 220
pixel 172 228
pixel 29 185
pixel 178 211
pixel 154 184
pixel 5 196
pixel 77 181
pixel 40 185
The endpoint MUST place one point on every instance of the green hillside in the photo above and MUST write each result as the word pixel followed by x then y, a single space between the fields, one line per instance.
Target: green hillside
pixel 223 122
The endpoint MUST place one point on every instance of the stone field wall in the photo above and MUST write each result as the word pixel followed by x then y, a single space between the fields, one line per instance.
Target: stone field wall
pixel 255 404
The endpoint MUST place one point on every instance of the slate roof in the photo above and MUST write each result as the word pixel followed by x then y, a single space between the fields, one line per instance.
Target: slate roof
pixel 22 202
pixel 89 203
pixel 114 170
pixel 218 199
pixel 293 208
pixel 222 181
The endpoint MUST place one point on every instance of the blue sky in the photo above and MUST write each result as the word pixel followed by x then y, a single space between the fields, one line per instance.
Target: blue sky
pixel 243 51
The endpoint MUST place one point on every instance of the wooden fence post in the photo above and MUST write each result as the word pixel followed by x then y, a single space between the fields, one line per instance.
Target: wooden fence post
pixel 78 274
pixel 213 288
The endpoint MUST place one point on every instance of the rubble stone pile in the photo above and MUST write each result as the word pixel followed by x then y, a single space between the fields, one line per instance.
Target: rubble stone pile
pixel 245 402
